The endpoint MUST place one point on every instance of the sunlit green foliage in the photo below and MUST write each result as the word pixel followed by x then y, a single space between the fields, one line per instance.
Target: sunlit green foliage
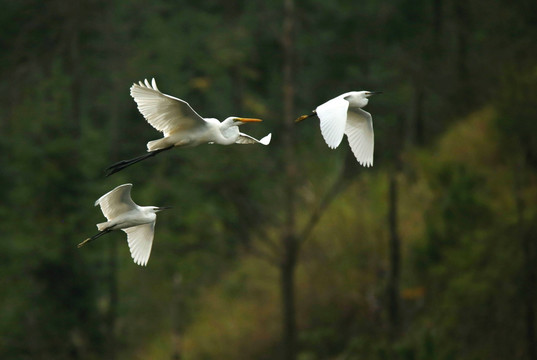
pixel 456 124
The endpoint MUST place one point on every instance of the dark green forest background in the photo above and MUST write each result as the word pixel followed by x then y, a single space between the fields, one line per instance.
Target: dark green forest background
pixel 290 251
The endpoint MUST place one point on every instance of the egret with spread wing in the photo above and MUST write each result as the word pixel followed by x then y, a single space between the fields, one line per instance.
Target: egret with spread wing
pixel 181 125
pixel 123 214
pixel 344 115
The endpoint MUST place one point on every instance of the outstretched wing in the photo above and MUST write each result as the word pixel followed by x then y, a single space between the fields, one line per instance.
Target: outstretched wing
pixel 165 113
pixel 117 201
pixel 247 139
pixel 140 239
pixel 360 134
pixel 333 116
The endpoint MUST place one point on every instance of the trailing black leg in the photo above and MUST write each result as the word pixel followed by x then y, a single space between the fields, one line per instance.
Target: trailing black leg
pixel 126 163
pixel 99 234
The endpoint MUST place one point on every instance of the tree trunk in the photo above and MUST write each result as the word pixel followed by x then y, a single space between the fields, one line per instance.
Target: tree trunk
pixel 289 236
pixel 237 93
pixel 113 299
pixel 176 315
pixel 438 20
pixel 419 121
pixel 395 256
pixel 112 276
pixel 530 298
pixel 287 273
pixel 529 275
pixel 462 17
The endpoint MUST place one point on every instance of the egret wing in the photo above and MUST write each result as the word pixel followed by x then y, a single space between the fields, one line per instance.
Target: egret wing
pixel 165 113
pixel 116 202
pixel 247 139
pixel 140 239
pixel 333 116
pixel 359 131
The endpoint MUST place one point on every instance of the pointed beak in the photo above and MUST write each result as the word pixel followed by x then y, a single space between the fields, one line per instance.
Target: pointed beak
pixel 164 208
pixel 249 120
pixel 374 93
pixel 303 117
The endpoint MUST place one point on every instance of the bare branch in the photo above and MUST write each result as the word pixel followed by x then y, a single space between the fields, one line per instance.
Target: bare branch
pixel 262 235
pixel 264 255
pixel 341 182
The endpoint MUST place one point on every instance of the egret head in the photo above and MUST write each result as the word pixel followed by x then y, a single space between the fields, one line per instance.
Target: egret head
pixel 236 121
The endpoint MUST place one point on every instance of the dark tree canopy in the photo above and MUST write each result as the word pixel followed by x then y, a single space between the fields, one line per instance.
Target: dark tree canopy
pixel 430 254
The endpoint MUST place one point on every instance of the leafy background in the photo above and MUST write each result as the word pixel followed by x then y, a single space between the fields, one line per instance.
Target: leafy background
pixel 290 251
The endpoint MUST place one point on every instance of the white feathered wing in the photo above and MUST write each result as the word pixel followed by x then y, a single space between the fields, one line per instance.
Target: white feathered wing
pixel 165 113
pixel 116 201
pixel 359 131
pixel 140 239
pixel 333 116
pixel 247 139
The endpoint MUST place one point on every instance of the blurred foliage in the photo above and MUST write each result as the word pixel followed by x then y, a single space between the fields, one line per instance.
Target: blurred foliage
pixel 456 123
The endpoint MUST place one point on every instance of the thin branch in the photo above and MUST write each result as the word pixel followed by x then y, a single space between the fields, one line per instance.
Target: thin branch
pixel 264 255
pixel 262 234
pixel 338 186
pixel 260 231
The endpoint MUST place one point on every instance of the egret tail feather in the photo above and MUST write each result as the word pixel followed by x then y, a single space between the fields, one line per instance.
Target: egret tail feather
pixel 112 169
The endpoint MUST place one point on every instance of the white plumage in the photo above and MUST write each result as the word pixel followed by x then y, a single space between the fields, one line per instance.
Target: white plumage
pixel 181 125
pixel 123 214
pixel 333 116
pixel 343 115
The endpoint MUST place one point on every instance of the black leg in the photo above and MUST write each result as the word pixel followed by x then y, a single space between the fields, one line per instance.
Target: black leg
pixel 99 234
pixel 126 163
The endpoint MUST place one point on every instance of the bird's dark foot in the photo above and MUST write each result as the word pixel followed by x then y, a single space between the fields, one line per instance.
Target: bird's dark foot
pixel 83 243
pixel 99 234
pixel 112 169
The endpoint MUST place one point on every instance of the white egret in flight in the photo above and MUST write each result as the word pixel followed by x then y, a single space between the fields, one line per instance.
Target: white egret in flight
pixel 123 214
pixel 181 125
pixel 344 115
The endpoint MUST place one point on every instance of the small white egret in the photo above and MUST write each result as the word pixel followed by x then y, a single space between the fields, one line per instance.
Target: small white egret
pixel 123 214
pixel 344 115
pixel 181 125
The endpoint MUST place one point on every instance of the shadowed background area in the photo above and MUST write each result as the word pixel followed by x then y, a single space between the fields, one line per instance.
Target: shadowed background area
pixel 287 251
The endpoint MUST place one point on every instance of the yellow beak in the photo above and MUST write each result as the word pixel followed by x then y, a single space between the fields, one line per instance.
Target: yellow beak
pixel 249 120
pixel 303 117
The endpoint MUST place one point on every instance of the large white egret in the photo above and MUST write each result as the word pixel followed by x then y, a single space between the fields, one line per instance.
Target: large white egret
pixel 344 115
pixel 123 214
pixel 181 125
